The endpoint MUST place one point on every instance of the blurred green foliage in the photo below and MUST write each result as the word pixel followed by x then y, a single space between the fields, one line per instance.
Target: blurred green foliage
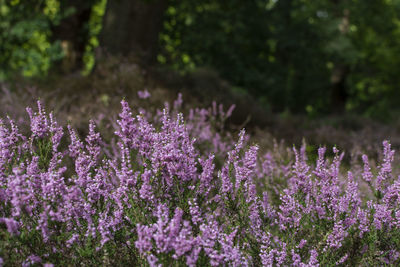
pixel 94 28
pixel 295 56
pixel 28 46
pixel 25 44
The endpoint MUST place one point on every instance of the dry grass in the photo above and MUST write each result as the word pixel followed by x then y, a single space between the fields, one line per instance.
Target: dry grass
pixel 76 99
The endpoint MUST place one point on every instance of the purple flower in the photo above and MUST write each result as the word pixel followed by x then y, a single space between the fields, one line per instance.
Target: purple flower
pixel 281 255
pixel 56 133
pixel 76 146
pixel 367 174
pixel 93 141
pixel 342 259
pixel 72 240
pixel 39 121
pixel 296 259
pixel 195 212
pixel 145 233
pixel 178 102
pixel 146 189
pixel 363 221
pixel 11 224
pixel 207 174
pixel 188 192
pixel 192 258
pixel 392 195
pixel 144 94
pixel 32 259
pixel 313 261
pixel 267 258
pixel 337 235
pixel 184 241
pixel 385 169
pixel 301 181
pixel 302 243
pixel 382 216
pixel 127 128
pixel 153 261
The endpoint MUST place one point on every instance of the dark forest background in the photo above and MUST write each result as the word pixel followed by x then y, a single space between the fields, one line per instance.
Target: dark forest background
pixel 292 56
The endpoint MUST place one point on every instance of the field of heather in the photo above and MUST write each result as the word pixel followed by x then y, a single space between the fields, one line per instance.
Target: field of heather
pixel 172 189
pixel 162 133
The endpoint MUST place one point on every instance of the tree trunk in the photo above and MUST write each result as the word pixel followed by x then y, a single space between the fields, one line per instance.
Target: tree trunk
pixel 73 33
pixel 339 89
pixel 131 27
pixel 340 70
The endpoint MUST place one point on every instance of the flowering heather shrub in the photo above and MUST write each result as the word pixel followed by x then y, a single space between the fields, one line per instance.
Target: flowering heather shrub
pixel 162 198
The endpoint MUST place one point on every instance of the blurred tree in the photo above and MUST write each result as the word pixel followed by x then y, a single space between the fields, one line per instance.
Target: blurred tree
pixel 25 44
pixel 274 49
pixel 293 55
pixel 373 80
pixel 72 32
pixel 35 34
pixel 132 27
pixel 340 68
